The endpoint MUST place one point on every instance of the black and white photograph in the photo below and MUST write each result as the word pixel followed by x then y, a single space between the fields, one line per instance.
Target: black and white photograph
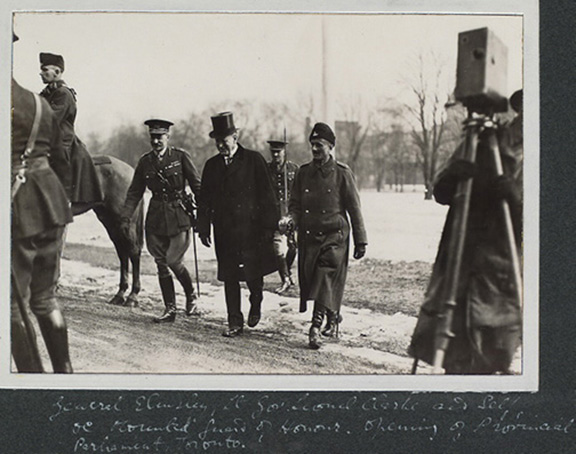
pixel 282 199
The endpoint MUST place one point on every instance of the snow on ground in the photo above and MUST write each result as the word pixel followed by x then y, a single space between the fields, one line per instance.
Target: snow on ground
pixel 401 227
pixel 361 333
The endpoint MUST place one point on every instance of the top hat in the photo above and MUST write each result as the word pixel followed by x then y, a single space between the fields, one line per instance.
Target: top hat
pixel 223 124
pixel 516 100
pixel 322 131
pixel 51 59
pixel 158 126
pixel 277 145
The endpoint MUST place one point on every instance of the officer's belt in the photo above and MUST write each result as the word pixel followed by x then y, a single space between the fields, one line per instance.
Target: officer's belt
pixel 163 197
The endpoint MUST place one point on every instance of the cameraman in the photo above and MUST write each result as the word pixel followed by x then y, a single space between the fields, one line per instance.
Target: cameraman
pixel 487 319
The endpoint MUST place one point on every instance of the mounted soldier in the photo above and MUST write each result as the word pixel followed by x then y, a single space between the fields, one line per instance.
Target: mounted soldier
pixel 166 170
pixel 85 187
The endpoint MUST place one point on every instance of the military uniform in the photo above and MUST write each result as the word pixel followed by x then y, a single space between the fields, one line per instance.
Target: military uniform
pixel 487 318
pixel 279 178
pixel 85 185
pixel 40 210
pixel 167 225
pixel 322 199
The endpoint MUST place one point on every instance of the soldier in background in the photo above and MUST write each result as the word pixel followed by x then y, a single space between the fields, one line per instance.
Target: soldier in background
pixel 282 173
pixel 488 316
pixel 85 185
pixel 237 200
pixel 165 170
pixel 40 212
pixel 324 195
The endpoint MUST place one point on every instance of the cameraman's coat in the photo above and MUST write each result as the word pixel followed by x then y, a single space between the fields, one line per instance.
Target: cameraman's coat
pixel 239 202
pixel 487 311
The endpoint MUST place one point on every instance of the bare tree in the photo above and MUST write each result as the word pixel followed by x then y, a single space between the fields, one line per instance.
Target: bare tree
pixel 428 115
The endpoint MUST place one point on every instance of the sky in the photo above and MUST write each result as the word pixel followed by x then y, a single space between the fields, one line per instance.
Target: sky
pixel 127 67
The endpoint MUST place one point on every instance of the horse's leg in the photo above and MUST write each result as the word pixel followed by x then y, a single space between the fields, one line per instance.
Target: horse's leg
pixel 120 244
pixel 136 242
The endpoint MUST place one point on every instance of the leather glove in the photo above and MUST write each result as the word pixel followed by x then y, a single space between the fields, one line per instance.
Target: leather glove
pixel 205 239
pixel 285 224
pixel 359 251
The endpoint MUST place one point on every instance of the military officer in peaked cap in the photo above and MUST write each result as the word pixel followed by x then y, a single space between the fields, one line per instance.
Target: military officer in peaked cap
pixel 324 196
pixel 238 202
pixel 282 173
pixel 85 187
pixel 165 170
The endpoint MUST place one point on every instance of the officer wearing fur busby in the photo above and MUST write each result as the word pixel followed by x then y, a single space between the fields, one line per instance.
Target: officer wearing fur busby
pixel 324 196
pixel 238 202
pixel 165 170
pixel 85 185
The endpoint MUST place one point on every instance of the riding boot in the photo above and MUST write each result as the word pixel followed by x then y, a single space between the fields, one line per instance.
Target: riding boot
pixel 317 319
pixel 24 349
pixel 333 320
pixel 55 334
pixel 186 282
pixel 169 297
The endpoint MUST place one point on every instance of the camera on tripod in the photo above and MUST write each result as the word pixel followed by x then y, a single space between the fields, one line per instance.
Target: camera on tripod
pixel 481 73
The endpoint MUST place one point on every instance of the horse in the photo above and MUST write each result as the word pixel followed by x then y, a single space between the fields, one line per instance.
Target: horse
pixel 115 177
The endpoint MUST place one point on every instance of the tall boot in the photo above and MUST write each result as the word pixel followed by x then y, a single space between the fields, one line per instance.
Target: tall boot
pixel 169 297
pixel 24 349
pixel 284 275
pixel 317 319
pixel 55 334
pixel 333 320
pixel 186 282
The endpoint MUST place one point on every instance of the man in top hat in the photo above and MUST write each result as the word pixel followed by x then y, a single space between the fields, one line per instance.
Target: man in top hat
pixel 86 188
pixel 40 212
pixel 324 196
pixel 237 200
pixel 282 173
pixel 165 170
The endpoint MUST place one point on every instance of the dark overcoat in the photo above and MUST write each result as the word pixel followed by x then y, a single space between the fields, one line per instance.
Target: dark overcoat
pixel 487 310
pixel 324 202
pixel 84 180
pixel 41 203
pixel 166 178
pixel 239 202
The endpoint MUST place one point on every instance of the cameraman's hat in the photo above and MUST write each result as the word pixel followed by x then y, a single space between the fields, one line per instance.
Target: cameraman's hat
pixel 51 59
pixel 223 125
pixel 157 126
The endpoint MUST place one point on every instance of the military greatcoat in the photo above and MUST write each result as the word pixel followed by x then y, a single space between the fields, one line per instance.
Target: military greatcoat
pixel 239 202
pixel 85 184
pixel 324 202
pixel 166 178
pixel 487 318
